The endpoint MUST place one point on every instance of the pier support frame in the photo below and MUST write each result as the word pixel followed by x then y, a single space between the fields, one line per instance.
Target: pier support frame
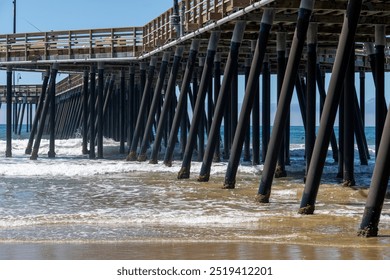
pixel 280 170
pixel 45 110
pixel 132 156
pixel 217 88
pixel 380 109
pixel 274 147
pixel 378 186
pixel 256 123
pixel 221 103
pixel 181 108
pixel 85 113
pixel 100 104
pixel 344 49
pixel 311 93
pixel 170 91
pixel 250 92
pixel 52 117
pixel 362 89
pixel 184 172
pixel 340 161
pixel 38 112
pixel 266 108
pixel 92 112
pixel 122 113
pixel 349 147
pixel 132 105
pixel 153 106
pixel 8 151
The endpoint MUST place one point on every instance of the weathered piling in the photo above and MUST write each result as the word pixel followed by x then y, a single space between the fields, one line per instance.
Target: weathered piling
pixel 38 112
pixel 132 105
pixel 304 15
pixel 92 112
pixel 362 91
pixel 280 170
pixel 256 124
pixel 170 91
pixel 132 156
pixel 250 92
pixel 217 88
pixel 85 113
pixel 221 103
pixel 181 108
pixel 378 186
pixel 199 106
pixel 45 110
pixel 21 115
pixel 52 116
pixel 266 109
pixel 311 92
pixel 380 108
pixel 100 104
pixel 349 127
pixel 233 108
pixel 344 50
pixel 122 112
pixel 153 106
pixel 8 151
pixel 200 144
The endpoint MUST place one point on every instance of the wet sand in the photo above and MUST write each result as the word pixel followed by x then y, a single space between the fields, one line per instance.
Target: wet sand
pixel 193 251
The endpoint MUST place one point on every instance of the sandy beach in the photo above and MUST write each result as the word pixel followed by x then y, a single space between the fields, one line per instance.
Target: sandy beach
pixel 193 251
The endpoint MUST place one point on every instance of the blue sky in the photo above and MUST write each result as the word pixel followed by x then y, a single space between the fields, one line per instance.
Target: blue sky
pixel 46 15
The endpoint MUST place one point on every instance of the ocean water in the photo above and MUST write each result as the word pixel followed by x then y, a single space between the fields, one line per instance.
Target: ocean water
pixel 72 199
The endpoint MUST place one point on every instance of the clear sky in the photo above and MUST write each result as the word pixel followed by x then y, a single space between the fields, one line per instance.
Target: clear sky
pixel 46 15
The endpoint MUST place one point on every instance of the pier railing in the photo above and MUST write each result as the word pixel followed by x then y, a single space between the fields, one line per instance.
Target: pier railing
pixel 74 44
pixel 22 93
pixel 194 14
pixel 113 42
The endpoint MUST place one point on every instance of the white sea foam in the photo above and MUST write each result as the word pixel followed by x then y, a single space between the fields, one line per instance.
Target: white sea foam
pixel 70 162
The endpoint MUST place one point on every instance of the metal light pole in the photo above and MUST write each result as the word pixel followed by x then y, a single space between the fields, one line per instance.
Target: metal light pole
pixel 14 1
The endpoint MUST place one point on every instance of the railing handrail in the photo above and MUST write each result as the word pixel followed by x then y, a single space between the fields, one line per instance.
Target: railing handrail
pixel 137 40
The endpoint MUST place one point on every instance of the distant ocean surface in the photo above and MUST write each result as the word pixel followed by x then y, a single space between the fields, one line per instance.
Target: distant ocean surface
pixel 74 199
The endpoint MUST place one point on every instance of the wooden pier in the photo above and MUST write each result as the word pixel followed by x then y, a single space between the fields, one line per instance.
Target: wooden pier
pixel 137 85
